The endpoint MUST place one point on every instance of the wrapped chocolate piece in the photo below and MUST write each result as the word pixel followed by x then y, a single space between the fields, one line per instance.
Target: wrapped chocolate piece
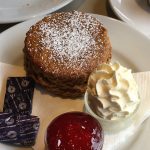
pixel 18 130
pixel 17 125
pixel 19 95
pixel 7 119
pixel 28 130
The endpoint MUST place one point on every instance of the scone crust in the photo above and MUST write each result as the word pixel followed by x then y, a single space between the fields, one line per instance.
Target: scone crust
pixel 63 49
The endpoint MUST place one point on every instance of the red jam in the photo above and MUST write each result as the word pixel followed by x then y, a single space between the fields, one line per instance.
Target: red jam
pixel 74 131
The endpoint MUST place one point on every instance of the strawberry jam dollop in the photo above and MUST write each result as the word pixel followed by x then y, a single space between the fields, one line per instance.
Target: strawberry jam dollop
pixel 74 131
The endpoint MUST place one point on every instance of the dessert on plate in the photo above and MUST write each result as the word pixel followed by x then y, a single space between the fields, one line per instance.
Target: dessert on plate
pixel 74 131
pixel 63 49
pixel 112 96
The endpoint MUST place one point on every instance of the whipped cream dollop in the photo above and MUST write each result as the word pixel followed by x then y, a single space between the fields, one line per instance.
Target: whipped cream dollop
pixel 114 87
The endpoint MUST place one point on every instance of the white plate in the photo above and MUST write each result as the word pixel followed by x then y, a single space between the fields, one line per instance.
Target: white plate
pixel 130 47
pixel 134 12
pixel 20 10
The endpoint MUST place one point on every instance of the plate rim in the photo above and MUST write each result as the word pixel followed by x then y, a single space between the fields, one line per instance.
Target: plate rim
pixel 121 17
pixel 117 14
pixel 40 14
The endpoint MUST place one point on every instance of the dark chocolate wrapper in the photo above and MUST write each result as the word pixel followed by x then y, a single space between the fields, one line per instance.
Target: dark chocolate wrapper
pixel 18 130
pixel 19 95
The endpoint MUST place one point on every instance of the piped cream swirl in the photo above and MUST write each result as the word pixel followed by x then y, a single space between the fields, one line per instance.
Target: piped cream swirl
pixel 115 88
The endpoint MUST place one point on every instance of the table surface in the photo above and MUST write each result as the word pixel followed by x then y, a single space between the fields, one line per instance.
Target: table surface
pixel 101 7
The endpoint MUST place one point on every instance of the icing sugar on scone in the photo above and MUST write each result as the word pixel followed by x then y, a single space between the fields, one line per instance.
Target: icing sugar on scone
pixel 70 38
pixel 67 45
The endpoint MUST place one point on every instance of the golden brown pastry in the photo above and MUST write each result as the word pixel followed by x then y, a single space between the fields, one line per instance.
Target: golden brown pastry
pixel 63 49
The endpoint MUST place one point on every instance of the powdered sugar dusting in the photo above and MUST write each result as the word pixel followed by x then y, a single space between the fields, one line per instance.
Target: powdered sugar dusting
pixel 71 37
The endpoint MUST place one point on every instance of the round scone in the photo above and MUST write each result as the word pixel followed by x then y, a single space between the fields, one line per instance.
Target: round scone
pixel 63 49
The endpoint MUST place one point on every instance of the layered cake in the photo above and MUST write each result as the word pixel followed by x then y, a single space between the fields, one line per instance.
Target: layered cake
pixel 74 131
pixel 63 49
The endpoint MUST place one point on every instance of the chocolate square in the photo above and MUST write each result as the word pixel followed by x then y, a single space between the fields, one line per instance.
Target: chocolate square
pixel 22 131
pixel 19 95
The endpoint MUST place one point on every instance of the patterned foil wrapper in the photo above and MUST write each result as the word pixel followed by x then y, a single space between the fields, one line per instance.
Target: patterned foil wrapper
pixel 19 95
pixel 7 119
pixel 18 130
